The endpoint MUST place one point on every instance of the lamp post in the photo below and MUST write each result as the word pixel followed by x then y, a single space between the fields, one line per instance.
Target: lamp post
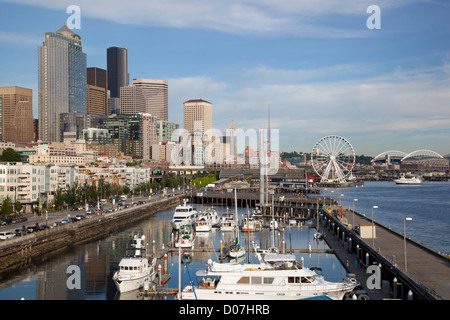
pixel 373 237
pixel 404 239
pixel 353 218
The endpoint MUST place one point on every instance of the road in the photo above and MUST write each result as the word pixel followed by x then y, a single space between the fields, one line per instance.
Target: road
pixel 55 216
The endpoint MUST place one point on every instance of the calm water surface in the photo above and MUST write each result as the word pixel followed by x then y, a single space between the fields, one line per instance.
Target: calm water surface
pixel 99 260
pixel 427 204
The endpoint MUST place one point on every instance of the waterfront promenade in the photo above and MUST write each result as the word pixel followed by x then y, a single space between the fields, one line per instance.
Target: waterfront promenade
pixel 425 266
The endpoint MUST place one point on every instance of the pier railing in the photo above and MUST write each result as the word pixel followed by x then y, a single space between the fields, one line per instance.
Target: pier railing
pixel 390 263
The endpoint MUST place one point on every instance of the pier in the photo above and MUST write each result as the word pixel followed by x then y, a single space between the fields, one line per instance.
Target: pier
pixel 428 275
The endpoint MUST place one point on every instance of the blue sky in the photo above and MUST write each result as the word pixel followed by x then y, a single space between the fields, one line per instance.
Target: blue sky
pixel 317 65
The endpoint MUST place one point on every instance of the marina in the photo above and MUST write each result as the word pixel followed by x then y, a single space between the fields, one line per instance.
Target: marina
pixel 341 253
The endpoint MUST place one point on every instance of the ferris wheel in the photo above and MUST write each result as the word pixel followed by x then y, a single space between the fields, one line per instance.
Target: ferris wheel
pixel 333 158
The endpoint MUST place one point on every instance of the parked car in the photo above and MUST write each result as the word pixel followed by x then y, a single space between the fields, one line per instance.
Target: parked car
pixel 80 216
pixel 6 221
pixel 64 221
pixel 42 227
pixel 5 235
pixel 21 232
pixel 31 229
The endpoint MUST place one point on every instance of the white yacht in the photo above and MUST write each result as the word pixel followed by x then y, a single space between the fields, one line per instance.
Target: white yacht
pixel 202 225
pixel 135 269
pixel 186 236
pixel 184 214
pixel 408 181
pixel 275 277
pixel 212 216
pixel 227 222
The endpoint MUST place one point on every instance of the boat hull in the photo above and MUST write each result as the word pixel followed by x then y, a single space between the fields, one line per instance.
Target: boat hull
pixel 262 294
pixel 126 284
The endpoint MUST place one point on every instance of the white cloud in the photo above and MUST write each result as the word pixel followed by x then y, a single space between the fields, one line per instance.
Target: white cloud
pixel 308 18
pixel 369 110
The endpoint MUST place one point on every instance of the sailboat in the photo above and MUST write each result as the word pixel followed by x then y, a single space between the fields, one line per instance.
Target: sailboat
pixel 236 250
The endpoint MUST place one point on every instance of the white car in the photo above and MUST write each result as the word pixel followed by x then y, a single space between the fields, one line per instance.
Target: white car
pixel 5 235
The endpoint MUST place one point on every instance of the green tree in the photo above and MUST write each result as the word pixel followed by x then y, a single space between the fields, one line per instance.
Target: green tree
pixel 7 207
pixel 10 155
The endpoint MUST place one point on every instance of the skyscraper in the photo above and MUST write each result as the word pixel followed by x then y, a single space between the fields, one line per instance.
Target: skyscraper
pixel 62 81
pixel 199 111
pixel 97 91
pixel 131 100
pixel 16 114
pixel 156 97
pixel 117 65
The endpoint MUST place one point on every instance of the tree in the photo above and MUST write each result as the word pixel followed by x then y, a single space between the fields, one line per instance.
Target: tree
pixel 7 207
pixel 10 155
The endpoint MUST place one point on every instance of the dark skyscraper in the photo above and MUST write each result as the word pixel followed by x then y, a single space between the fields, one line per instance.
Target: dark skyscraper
pixel 117 65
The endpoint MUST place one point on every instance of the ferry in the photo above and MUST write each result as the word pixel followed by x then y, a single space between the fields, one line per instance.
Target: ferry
pixel 135 269
pixel 184 214
pixel 276 277
pixel 408 181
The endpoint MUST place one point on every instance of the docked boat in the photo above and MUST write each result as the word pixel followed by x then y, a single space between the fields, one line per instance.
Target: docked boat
pixel 275 277
pixel 212 216
pixel 408 181
pixel 135 269
pixel 273 225
pixel 202 225
pixel 186 236
pixel 248 225
pixel 236 251
pixel 184 214
pixel 227 223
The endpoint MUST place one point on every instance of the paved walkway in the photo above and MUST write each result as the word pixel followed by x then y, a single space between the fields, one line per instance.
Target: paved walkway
pixel 430 268
pixel 348 261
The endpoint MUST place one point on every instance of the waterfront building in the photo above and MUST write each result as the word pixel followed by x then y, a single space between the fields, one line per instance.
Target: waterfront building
pixel 200 111
pixel 97 91
pixel 16 114
pixel 33 184
pixel 62 81
pixel 156 97
pixel 117 66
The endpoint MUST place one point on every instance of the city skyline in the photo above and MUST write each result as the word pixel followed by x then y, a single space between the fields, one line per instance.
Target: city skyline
pixel 316 63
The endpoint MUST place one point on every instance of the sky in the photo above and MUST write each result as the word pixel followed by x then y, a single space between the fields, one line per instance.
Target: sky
pixel 319 65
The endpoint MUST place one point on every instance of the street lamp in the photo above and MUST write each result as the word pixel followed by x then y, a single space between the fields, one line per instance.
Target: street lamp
pixel 353 222
pixel 404 238
pixel 373 237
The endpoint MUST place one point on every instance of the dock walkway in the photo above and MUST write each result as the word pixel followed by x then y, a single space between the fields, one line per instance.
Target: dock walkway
pixel 425 266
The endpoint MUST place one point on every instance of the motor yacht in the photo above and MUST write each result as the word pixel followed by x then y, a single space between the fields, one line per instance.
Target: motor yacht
pixel 184 214
pixel 275 277
pixel 135 269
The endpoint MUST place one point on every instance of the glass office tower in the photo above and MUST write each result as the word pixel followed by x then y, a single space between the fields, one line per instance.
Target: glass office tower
pixel 62 81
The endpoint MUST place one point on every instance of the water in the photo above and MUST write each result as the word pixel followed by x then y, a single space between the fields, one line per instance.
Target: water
pixel 98 261
pixel 427 204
